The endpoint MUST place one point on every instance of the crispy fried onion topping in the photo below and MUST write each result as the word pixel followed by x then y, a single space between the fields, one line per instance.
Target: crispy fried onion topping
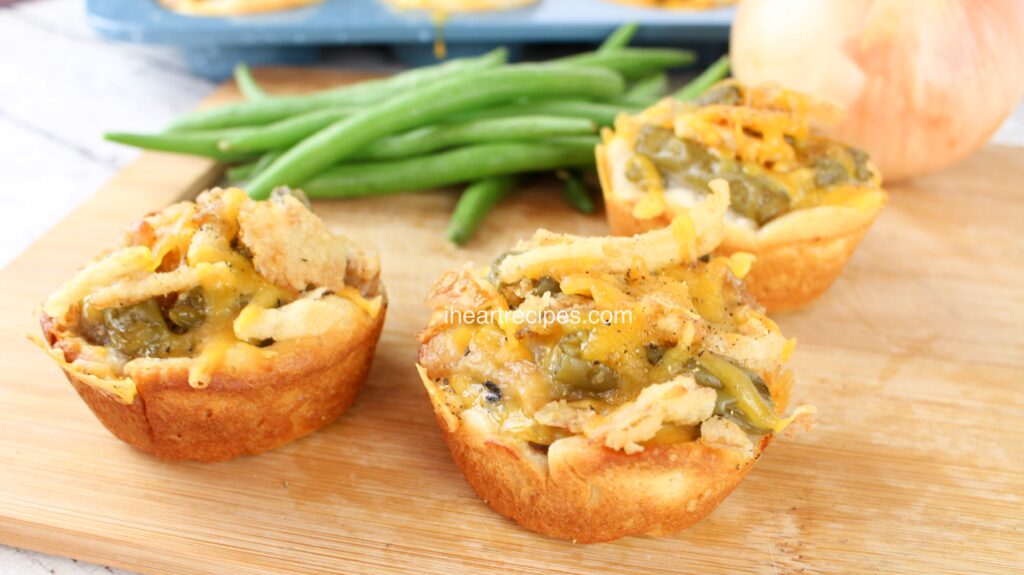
pixel 292 247
pixel 679 401
pixel 692 234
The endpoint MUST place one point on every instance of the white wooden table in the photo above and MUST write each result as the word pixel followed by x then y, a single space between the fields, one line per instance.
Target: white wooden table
pixel 60 88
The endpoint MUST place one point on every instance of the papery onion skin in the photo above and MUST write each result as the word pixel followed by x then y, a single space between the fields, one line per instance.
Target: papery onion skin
pixel 925 82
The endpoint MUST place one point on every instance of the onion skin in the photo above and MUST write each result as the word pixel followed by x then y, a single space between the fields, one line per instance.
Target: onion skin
pixel 924 82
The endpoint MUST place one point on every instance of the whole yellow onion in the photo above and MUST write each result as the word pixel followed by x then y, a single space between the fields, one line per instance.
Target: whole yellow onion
pixel 925 82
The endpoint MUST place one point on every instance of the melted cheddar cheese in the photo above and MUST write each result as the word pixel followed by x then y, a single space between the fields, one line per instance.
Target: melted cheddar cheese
pixel 764 141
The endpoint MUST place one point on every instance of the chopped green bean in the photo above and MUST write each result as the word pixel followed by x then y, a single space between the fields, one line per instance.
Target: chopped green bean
pixel 465 164
pixel 247 84
pixel 619 38
pixel 739 385
pixel 706 79
pixel 429 105
pixel 440 136
pixel 475 203
pixel 254 113
pixel 574 190
pixel 632 62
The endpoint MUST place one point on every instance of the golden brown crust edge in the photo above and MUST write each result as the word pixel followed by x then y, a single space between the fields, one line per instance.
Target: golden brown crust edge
pixel 587 493
pixel 799 256
pixel 245 411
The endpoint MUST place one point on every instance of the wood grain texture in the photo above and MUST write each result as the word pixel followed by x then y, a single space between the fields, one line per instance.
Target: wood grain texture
pixel 914 359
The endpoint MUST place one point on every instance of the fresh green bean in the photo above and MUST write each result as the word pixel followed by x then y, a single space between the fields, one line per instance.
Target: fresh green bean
pixel 432 103
pixel 602 114
pixel 619 38
pixel 264 161
pixel 247 84
pixel 647 91
pixel 352 96
pixel 440 136
pixel 706 79
pixel 284 133
pixel 465 164
pixel 575 191
pixel 287 133
pixel 632 62
pixel 475 203
pixel 239 173
pixel 247 171
pixel 373 91
pixel 196 144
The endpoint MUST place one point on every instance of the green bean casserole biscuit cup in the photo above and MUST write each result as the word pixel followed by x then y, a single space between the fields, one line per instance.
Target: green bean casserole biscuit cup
pixel 219 327
pixel 635 413
pixel 800 203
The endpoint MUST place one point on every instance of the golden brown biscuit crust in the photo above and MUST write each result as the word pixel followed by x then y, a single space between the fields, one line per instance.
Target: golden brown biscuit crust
pixel 591 494
pixel 246 409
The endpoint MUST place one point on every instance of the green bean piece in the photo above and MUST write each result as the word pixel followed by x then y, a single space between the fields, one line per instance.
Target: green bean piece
pixel 647 90
pixel 602 114
pixel 284 133
pixel 706 79
pixel 240 173
pixel 247 84
pixel 425 106
pixel 440 136
pixel 739 385
pixel 632 62
pixel 455 166
pixel 196 144
pixel 575 191
pixel 353 96
pixel 619 38
pixel 475 203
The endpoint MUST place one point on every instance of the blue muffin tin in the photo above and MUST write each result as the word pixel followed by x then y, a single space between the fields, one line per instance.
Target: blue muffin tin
pixel 212 45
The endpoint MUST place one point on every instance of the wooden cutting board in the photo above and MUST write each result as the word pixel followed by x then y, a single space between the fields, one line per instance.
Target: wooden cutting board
pixel 915 360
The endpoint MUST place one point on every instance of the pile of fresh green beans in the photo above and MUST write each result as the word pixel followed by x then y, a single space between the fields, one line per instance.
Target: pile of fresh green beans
pixel 475 120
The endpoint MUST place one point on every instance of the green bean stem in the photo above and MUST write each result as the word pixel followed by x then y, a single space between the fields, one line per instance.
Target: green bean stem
pixel 574 190
pixel 352 95
pixel 475 203
pixel 706 79
pixel 465 164
pixel 619 38
pixel 429 105
pixel 247 85
pixel 440 136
